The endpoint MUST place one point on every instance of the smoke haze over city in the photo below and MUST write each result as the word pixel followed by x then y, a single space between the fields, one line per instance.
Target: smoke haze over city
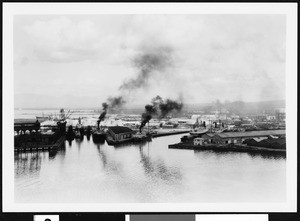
pixel 200 58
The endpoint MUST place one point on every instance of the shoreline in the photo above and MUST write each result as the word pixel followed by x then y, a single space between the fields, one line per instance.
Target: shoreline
pixel 228 147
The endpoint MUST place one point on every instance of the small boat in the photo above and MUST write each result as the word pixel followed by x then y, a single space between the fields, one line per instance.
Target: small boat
pixel 198 131
pixel 78 135
pixel 82 132
pixel 88 130
pixel 70 133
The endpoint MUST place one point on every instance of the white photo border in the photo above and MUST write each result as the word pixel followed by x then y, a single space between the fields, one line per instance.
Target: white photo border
pixel 11 9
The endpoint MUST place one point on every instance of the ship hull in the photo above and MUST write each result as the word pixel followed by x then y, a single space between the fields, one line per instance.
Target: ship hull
pixel 99 136
pixel 198 132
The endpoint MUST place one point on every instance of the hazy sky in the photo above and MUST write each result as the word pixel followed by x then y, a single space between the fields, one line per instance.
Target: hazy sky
pixel 200 58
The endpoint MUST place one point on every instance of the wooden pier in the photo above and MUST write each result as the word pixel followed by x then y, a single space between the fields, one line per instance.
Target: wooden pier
pixel 226 147
pixel 170 132
pixel 58 144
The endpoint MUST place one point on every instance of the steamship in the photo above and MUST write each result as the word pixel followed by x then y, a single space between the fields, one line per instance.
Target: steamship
pixel 198 131
pixel 99 135
pixel 138 137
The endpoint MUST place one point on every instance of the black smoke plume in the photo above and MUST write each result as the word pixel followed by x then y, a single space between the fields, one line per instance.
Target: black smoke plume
pixel 115 102
pixel 147 63
pixel 169 106
pixel 159 108
pixel 165 107
pixel 104 106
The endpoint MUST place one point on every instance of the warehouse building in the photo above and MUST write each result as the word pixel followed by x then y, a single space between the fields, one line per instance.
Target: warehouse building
pixel 208 137
pixel 275 143
pixel 240 137
pixel 21 126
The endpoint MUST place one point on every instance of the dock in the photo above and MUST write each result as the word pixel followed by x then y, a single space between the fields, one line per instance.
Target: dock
pixel 58 144
pixel 226 147
pixel 161 133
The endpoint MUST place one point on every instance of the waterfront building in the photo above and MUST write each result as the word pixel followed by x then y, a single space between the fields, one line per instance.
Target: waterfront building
pixel 271 117
pixel 270 142
pixel 198 141
pixel 119 133
pixel 23 125
pixel 208 137
pixel 280 114
pixel 240 137
pixel 230 127
pixel 254 141
pixel 248 126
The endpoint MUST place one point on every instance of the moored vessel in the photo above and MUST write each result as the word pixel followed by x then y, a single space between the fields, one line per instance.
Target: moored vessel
pixel 138 137
pixel 198 131
pixel 99 135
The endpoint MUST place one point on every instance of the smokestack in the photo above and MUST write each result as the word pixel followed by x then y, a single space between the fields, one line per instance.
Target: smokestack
pixel 102 115
pixel 147 116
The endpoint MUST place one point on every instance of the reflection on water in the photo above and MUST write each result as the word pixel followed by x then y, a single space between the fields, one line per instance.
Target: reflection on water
pixel 83 171
pixel 27 164
pixel 264 155
pixel 88 136
pixel 61 151
pixel 102 156
pixel 157 169
pixel 272 155
pixel 109 163
pixel 70 142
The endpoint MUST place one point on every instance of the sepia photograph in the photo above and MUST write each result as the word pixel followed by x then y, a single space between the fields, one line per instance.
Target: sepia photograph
pixel 147 107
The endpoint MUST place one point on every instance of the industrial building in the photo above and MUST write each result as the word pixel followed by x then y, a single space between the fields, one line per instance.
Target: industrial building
pixel 21 126
pixel 208 137
pixel 240 137
pixel 280 114
pixel 270 142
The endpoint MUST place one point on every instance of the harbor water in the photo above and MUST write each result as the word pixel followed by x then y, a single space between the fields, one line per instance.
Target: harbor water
pixel 86 172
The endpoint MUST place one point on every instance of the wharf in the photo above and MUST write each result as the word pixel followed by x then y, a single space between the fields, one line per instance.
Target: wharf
pixel 161 133
pixel 226 147
pixel 59 143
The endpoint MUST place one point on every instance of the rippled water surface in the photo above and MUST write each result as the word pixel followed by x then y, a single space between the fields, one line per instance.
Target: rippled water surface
pixel 84 171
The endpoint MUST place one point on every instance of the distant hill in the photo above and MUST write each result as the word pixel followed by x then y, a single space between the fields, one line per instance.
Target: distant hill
pixel 35 101
pixel 267 106
pixel 240 107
